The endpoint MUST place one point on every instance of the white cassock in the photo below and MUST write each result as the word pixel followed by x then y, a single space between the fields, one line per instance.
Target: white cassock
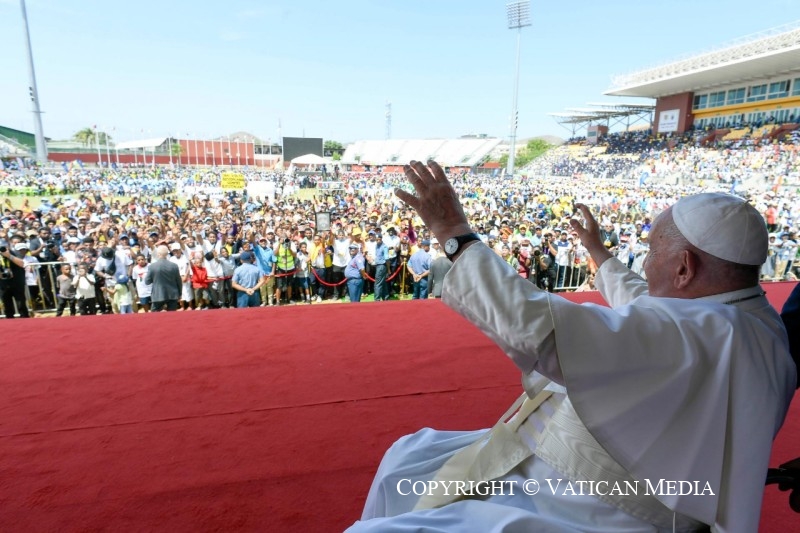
pixel 658 389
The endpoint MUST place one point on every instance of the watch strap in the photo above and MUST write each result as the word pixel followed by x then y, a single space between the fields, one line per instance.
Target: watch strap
pixel 462 240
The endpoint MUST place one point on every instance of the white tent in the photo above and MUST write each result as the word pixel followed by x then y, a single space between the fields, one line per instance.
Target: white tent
pixel 309 159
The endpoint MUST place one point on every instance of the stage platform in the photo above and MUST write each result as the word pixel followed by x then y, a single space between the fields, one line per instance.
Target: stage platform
pixel 268 419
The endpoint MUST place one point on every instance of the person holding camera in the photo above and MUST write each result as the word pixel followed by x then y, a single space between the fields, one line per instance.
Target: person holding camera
pixel 44 247
pixel 545 266
pixel 12 277
pixel 285 258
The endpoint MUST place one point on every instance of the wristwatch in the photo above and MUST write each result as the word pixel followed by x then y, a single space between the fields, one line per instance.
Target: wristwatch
pixel 454 244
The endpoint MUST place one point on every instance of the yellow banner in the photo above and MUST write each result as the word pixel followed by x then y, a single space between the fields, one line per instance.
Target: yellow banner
pixel 232 180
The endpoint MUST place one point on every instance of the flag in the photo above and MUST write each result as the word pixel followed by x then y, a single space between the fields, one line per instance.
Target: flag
pixel 64 166
pixel 80 163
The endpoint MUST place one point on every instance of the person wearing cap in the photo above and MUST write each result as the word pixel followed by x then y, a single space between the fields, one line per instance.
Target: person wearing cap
pixel 121 297
pixel 12 277
pixel 369 256
pixel 419 266
pixel 686 376
pixel 354 273
pixel 164 276
pixel 32 279
pixel 247 280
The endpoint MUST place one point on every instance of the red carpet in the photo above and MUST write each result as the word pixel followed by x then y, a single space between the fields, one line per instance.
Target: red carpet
pixel 241 420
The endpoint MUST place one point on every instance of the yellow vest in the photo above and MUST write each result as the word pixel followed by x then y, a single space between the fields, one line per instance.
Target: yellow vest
pixel 284 258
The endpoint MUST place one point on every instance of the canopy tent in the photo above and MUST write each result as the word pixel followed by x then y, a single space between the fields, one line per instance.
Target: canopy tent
pixel 310 159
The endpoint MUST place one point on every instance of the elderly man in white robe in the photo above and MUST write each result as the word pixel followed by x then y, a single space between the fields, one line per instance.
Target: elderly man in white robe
pixel 655 414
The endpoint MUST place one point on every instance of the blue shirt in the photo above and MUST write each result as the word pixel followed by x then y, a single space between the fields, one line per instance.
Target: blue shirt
pixel 381 253
pixel 247 275
pixel 265 258
pixel 420 262
pixel 354 267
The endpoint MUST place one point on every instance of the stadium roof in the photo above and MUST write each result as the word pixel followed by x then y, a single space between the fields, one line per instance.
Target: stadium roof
pixel 750 58
pixel 447 152
pixel 610 113
pixel 144 143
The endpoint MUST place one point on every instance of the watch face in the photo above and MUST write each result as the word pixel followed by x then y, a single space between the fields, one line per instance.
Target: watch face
pixel 451 246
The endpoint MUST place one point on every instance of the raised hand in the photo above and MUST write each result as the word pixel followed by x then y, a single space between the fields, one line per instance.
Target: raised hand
pixel 589 233
pixel 436 201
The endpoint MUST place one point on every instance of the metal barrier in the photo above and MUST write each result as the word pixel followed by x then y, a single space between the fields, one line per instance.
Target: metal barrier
pixel 43 297
pixel 571 277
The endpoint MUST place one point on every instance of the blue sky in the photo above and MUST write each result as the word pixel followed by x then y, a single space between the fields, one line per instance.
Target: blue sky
pixel 326 69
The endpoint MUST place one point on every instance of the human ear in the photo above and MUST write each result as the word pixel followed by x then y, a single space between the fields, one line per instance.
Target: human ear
pixel 686 269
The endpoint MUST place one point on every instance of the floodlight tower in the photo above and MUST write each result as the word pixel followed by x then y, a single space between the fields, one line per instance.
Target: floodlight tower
pixel 519 16
pixel 388 120
pixel 41 148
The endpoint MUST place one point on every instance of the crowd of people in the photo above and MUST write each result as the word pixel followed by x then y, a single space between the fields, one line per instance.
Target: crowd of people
pixel 103 228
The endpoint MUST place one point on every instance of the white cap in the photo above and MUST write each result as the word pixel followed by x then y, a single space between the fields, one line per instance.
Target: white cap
pixel 174 246
pixel 21 246
pixel 724 226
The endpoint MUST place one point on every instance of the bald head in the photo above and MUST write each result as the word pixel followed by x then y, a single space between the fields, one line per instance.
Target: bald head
pixel 162 251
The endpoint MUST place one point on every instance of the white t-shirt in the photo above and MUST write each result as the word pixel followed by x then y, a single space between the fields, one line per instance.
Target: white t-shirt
pixel 31 270
pixel 301 265
pixel 139 274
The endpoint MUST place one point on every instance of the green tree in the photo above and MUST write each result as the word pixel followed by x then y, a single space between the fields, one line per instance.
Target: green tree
pixel 535 148
pixel 176 150
pixel 84 136
pixel 333 149
pixel 87 136
pixel 104 138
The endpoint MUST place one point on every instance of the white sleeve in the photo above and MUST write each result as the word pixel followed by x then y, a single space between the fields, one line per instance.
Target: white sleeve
pixel 509 309
pixel 618 284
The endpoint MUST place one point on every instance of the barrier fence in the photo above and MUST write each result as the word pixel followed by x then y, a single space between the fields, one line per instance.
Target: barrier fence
pixel 43 296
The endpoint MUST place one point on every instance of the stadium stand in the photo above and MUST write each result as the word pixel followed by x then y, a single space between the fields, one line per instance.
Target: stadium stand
pixel 464 153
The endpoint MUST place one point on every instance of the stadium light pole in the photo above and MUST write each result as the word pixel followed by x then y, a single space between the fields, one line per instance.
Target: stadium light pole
pixel 519 16
pixel 41 147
